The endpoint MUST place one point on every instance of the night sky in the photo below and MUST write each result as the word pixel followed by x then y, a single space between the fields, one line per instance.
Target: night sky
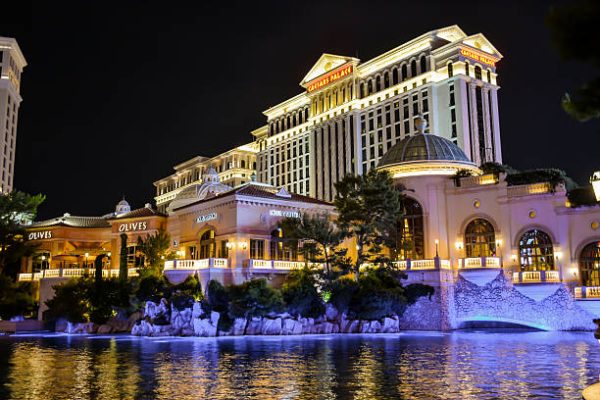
pixel 115 94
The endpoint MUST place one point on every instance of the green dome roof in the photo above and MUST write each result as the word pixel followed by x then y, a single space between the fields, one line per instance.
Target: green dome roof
pixel 423 147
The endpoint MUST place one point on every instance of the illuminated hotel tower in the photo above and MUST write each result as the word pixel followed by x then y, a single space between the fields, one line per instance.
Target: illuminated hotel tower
pixel 12 63
pixel 352 112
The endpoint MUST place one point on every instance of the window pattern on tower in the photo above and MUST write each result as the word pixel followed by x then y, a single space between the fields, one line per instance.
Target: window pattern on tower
pixel 289 165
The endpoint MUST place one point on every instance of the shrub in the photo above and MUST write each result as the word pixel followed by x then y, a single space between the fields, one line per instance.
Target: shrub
pixel 416 290
pixel 152 288
pixel 71 301
pixel 16 298
pixel 551 175
pixel 380 294
pixel 341 292
pixel 253 298
pixel 190 287
pixel 218 300
pixel 300 294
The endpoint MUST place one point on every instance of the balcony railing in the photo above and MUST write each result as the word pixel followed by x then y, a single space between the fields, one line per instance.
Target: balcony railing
pixel 473 181
pixel 278 264
pixel 536 277
pixel 71 273
pixel 587 292
pixel 419 265
pixel 479 262
pixel 530 189
pixel 196 264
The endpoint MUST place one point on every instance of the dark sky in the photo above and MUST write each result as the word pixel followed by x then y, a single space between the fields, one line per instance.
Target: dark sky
pixel 115 94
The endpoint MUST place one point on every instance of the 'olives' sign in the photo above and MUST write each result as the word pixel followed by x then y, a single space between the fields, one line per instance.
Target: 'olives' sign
pixel 39 235
pixel 133 226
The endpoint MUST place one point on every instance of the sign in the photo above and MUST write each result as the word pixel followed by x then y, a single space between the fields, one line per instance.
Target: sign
pixel 39 235
pixel 133 226
pixel 476 56
pixel 206 217
pixel 285 214
pixel 329 78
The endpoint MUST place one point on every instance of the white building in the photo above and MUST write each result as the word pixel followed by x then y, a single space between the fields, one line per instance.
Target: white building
pixel 352 112
pixel 12 63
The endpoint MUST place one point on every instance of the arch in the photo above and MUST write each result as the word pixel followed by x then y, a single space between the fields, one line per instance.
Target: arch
pixel 411 230
pixel 423 63
pixel 478 72
pixel 536 251
pixel 404 73
pixel 480 239
pixel 386 79
pixel 413 68
pixel 467 67
pixel 377 83
pixel 589 264
pixel 395 76
pixel 208 244
pixel 369 86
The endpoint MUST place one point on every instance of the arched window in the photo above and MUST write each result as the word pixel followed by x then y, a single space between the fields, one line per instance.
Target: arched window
pixel 411 238
pixel 489 76
pixel 467 67
pixel 207 244
pixel 477 72
pixel 243 164
pixel 450 70
pixel 283 248
pixel 413 68
pixel 369 87
pixel 395 76
pixel 377 83
pixel 480 239
pixel 386 80
pixel 536 251
pixel 306 114
pixel 404 72
pixel 589 264
pixel 423 63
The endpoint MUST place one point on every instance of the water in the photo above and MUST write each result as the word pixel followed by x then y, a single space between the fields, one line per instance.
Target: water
pixel 460 365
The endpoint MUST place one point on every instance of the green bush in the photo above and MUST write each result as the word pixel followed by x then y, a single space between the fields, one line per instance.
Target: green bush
pixel 152 288
pixel 190 287
pixel 253 298
pixel 380 294
pixel 218 300
pixel 16 298
pixel 553 176
pixel 300 294
pixel 416 290
pixel 71 301
pixel 342 291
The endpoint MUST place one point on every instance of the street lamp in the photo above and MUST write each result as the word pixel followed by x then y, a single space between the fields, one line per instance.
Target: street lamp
pixel 86 258
pixel 43 261
pixel 595 181
pixel 437 248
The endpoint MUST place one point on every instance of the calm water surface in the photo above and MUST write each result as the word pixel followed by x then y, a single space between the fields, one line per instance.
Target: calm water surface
pixel 460 365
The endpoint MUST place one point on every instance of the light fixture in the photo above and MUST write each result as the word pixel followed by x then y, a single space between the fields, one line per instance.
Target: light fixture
pixel 499 242
pixel 243 245
pixel 87 255
pixel 595 181
pixel 459 245
pixel 109 254
pixel 558 255
pixel 229 245
pixel 43 258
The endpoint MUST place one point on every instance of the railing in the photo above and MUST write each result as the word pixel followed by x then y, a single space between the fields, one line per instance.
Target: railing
pixel 536 277
pixel 278 264
pixel 587 292
pixel 479 262
pixel 196 264
pixel 419 265
pixel 526 190
pixel 472 181
pixel 71 273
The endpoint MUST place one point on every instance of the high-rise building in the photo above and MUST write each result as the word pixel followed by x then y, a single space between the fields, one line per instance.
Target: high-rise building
pixel 12 63
pixel 351 112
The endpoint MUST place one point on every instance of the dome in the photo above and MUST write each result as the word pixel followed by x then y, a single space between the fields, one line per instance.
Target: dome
pixel 425 154
pixel 210 187
pixel 122 207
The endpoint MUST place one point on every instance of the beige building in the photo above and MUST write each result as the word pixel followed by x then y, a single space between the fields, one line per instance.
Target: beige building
pixel 12 63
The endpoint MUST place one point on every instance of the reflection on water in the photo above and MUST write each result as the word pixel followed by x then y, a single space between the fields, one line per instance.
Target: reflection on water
pixel 461 365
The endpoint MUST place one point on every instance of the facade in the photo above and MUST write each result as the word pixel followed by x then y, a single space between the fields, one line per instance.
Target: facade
pixel 351 112
pixel 234 167
pixel 12 63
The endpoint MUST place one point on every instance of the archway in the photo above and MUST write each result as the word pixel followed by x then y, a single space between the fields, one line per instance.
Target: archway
pixel 480 239
pixel 411 238
pixel 589 264
pixel 536 251
pixel 207 244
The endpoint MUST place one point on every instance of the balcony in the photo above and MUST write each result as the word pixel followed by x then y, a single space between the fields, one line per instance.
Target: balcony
pixel 71 273
pixel 474 181
pixel 536 277
pixel 587 292
pixel 421 265
pixel 279 265
pixel 479 262
pixel 193 265
pixel 530 189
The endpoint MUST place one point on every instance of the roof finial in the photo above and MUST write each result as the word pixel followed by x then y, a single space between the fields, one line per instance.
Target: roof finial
pixel 421 124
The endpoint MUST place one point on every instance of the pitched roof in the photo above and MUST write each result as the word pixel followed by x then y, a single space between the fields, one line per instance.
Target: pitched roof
pixel 72 221
pixel 260 190
pixel 139 213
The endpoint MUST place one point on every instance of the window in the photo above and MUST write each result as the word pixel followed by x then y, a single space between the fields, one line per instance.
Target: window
pixel 411 238
pixel 413 68
pixel 423 63
pixel 283 248
pixel 480 239
pixel 207 244
pixel 257 249
pixel 223 249
pixel 404 74
pixel 536 251
pixel 589 264
pixel 477 72
pixel 450 70
pixel 135 258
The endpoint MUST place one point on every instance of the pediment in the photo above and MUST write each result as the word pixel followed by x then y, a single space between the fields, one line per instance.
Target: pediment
pixel 326 63
pixel 481 43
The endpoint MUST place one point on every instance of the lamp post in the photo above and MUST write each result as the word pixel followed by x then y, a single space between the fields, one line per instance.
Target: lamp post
pixel 86 259
pixel 437 248
pixel 595 181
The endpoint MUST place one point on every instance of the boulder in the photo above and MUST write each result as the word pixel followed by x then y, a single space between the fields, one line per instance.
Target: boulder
pixel 271 326
pixel 239 326
pixel 291 327
pixel 331 313
pixel 390 325
pixel 204 327
pixel 104 329
pixel 326 328
pixel 254 326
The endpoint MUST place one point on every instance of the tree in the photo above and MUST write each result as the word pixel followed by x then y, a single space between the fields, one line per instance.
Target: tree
pixel 573 30
pixel 369 210
pixel 16 209
pixel 155 248
pixel 123 258
pixel 320 236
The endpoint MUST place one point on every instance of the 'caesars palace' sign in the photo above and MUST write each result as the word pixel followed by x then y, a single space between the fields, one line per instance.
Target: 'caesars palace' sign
pixel 39 235
pixel 133 226
pixel 475 56
pixel 329 78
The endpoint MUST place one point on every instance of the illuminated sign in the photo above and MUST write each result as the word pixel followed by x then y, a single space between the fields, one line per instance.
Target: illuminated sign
pixel 329 78
pixel 285 214
pixel 475 56
pixel 39 235
pixel 206 217
pixel 133 226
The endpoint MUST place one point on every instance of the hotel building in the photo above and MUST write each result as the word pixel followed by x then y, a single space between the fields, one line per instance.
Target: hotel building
pixel 12 63
pixel 351 113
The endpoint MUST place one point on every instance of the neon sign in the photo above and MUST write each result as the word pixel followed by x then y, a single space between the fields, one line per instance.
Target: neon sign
pixel 133 226
pixel 475 56
pixel 329 78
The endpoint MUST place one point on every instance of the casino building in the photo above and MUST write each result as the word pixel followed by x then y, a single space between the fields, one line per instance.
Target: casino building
pixel 426 112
